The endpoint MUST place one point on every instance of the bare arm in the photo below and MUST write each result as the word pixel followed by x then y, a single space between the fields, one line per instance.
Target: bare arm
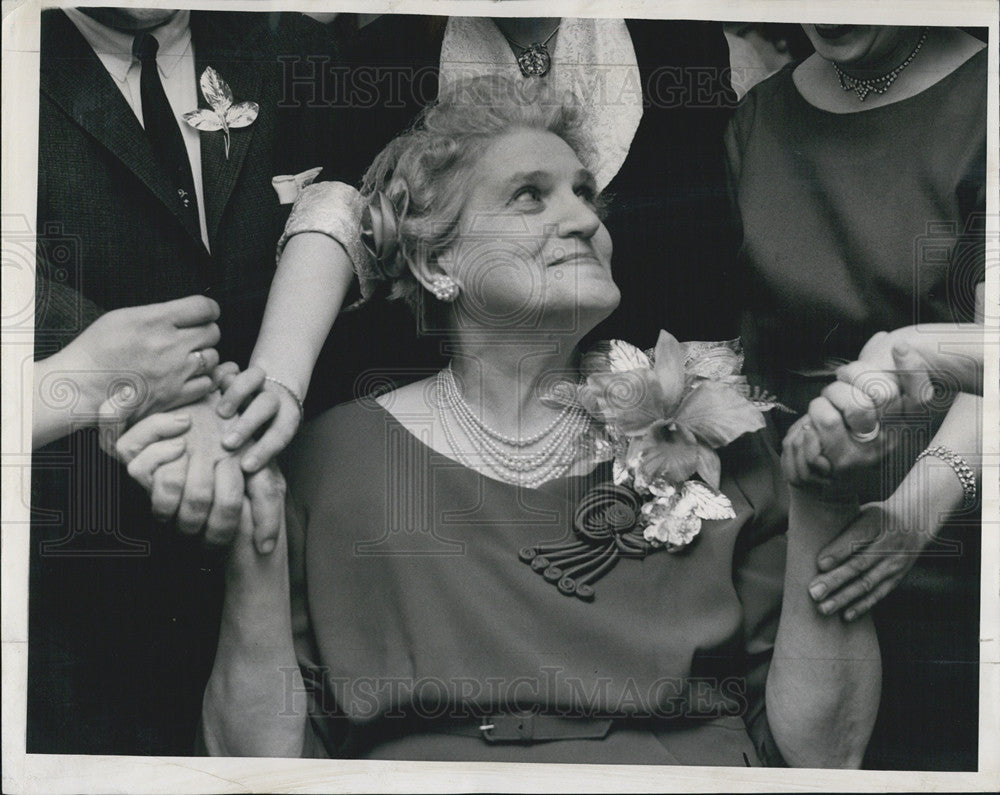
pixel 248 708
pixel 825 677
pixel 315 271
pixel 308 290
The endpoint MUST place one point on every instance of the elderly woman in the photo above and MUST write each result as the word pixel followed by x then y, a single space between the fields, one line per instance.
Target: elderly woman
pixel 656 100
pixel 404 614
pixel 860 177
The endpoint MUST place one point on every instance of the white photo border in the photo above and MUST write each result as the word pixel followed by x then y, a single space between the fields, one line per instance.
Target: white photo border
pixel 38 773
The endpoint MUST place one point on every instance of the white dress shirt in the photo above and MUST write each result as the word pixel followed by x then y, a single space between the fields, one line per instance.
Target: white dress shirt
pixel 175 61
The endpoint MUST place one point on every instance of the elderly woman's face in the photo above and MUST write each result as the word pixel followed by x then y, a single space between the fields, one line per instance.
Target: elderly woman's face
pixel 531 250
pixel 860 46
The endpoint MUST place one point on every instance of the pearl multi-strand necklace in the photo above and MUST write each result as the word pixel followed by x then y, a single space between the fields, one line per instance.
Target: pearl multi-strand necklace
pixel 506 456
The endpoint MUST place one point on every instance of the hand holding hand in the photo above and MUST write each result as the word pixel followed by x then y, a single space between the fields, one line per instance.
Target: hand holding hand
pixel 201 485
pixel 846 421
pixel 271 408
pixel 915 369
pixel 802 461
pixel 148 358
pixel 179 458
pixel 837 440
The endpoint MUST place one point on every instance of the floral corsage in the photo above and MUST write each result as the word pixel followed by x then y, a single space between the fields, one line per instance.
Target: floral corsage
pixel 664 414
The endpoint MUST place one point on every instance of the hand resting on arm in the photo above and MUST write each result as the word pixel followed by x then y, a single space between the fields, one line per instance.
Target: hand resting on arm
pixel 128 363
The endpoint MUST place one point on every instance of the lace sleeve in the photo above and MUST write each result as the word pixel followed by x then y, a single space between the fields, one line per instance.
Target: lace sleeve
pixel 333 209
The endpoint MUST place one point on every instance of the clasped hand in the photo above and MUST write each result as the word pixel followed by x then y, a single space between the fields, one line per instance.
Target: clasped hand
pixel 840 438
pixel 179 458
pixel 167 349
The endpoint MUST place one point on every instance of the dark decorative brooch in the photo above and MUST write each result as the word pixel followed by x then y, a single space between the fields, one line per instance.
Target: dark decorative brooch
pixel 607 528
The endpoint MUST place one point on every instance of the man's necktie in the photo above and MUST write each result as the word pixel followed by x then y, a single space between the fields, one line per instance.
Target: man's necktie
pixel 161 125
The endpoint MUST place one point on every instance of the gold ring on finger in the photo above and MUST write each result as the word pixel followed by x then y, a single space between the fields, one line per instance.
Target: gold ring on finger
pixel 867 436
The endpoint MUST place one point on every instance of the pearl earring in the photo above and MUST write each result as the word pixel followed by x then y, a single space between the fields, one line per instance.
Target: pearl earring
pixel 444 288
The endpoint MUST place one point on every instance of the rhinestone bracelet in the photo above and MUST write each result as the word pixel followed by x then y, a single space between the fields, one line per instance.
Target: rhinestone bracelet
pixel 290 391
pixel 964 472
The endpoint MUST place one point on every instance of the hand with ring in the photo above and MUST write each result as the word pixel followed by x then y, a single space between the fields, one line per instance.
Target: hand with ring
pixel 850 434
pixel 132 362
pixel 919 369
pixel 203 366
pixel 802 461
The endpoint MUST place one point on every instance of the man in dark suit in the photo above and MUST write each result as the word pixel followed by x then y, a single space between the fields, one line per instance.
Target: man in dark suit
pixel 123 612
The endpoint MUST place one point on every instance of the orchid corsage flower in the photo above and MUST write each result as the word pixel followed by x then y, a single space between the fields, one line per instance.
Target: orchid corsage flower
pixel 659 417
pixel 666 412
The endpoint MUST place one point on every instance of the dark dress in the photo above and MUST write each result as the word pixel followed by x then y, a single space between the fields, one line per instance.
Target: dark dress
pixel 414 616
pixel 855 223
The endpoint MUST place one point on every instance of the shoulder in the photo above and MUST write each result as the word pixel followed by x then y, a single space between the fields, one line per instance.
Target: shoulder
pixel 765 102
pixel 969 78
pixel 61 47
pixel 300 34
pixel 232 34
pixel 660 42
pixel 339 423
pixel 334 446
pixel 769 94
pixel 753 464
pixel 53 22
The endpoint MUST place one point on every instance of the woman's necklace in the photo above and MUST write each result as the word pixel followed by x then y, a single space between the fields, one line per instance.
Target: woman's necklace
pixel 533 60
pixel 877 84
pixel 551 452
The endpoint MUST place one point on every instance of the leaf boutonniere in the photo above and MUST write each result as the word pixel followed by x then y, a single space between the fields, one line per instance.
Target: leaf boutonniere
pixel 225 114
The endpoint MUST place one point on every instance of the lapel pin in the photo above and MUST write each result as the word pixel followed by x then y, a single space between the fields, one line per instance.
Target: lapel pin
pixel 225 114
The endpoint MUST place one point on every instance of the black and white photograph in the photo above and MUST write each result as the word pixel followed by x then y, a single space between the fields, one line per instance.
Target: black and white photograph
pixel 500 396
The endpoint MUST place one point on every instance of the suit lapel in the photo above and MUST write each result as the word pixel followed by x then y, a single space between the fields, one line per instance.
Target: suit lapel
pixel 236 54
pixel 74 78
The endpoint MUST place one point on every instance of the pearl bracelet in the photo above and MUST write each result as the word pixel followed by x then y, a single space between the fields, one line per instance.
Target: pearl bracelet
pixel 964 472
pixel 290 391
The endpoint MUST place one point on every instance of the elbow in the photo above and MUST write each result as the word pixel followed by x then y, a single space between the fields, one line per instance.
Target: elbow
pixel 248 732
pixel 831 735
pixel 846 754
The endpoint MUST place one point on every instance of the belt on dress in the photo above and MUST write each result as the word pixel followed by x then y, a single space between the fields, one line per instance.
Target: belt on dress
pixel 526 728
